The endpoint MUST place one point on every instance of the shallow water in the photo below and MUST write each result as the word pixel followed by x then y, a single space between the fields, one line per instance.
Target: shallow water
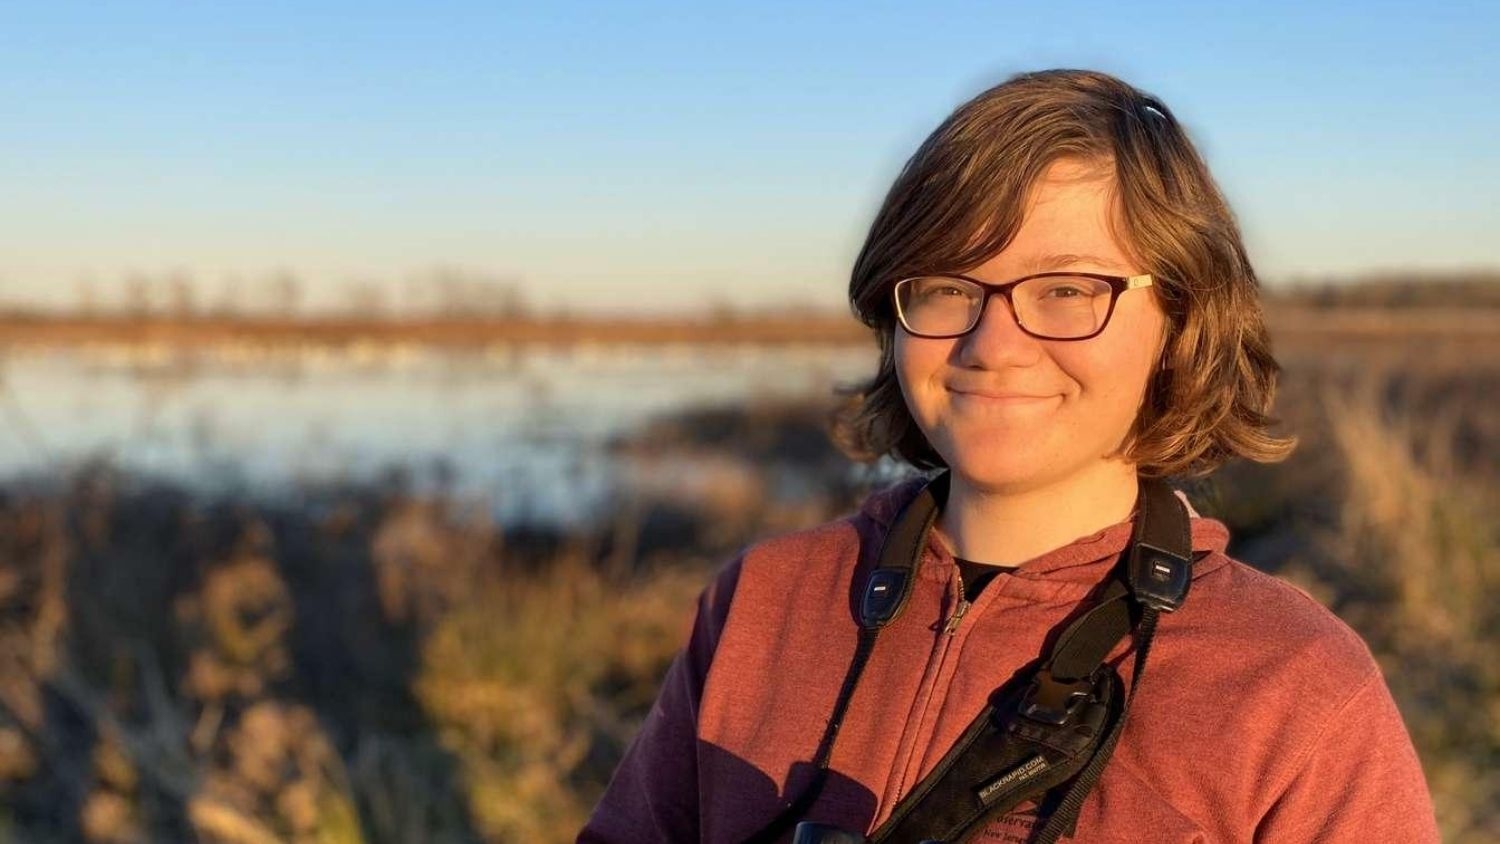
pixel 525 429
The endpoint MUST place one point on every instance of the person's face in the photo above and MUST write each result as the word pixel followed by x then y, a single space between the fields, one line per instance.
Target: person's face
pixel 1010 412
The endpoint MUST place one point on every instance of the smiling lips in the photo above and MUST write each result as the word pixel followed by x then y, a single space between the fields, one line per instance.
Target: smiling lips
pixel 998 395
pixel 995 400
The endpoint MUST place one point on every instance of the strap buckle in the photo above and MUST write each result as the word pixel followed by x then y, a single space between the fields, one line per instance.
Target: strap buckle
pixel 1053 701
pixel 1159 578
pixel 885 594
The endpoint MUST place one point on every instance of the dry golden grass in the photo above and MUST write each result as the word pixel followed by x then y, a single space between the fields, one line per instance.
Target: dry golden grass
pixel 531 681
pixel 1419 552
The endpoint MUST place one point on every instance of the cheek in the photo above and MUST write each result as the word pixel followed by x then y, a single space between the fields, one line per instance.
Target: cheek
pixel 918 365
pixel 912 362
pixel 902 363
pixel 1123 383
pixel 1113 376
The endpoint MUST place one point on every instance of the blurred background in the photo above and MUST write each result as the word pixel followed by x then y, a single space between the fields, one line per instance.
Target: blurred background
pixel 380 383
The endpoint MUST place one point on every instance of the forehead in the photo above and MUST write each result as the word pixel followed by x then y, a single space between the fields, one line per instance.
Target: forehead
pixel 1070 219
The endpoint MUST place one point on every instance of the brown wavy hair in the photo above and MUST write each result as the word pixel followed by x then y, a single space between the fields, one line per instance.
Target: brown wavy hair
pixel 960 199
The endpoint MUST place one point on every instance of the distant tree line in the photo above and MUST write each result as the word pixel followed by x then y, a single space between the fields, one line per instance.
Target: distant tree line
pixel 1473 289
pixel 462 295
pixel 442 293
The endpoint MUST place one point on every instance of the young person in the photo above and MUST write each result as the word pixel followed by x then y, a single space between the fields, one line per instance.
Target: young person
pixel 1065 311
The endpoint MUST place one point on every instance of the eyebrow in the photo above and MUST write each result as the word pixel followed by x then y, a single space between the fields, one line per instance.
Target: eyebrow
pixel 1043 263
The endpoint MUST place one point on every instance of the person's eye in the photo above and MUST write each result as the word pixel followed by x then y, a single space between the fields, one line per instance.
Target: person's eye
pixel 939 289
pixel 1064 291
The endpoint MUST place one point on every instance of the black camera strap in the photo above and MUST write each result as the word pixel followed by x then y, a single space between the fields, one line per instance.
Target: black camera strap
pixel 1051 730
pixel 1056 726
pixel 885 595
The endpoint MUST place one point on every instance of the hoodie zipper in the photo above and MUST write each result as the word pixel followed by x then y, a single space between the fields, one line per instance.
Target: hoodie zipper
pixel 950 627
pixel 958 615
pixel 958 611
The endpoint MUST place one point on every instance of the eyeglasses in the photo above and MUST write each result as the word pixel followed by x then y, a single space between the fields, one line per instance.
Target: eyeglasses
pixel 1048 306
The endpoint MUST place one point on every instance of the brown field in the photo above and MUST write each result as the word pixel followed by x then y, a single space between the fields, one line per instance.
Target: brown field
pixel 372 665
pixel 1365 327
pixel 447 333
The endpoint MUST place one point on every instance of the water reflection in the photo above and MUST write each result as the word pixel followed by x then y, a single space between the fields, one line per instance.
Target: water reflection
pixel 526 429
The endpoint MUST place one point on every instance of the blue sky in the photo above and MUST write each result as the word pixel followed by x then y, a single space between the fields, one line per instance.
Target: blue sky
pixel 671 155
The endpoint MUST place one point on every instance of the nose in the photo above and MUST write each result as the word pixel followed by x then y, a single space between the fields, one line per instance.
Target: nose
pixel 998 341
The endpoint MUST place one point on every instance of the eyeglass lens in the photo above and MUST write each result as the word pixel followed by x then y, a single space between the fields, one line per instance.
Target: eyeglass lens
pixel 1060 307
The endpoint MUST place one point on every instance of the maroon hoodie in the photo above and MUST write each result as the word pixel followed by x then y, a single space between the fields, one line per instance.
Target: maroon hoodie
pixel 1261 716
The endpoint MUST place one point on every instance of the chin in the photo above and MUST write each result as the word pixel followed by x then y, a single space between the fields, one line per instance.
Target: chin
pixel 1003 473
pixel 999 468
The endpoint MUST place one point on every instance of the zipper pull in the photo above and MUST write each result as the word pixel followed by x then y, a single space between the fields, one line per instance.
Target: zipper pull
pixel 958 614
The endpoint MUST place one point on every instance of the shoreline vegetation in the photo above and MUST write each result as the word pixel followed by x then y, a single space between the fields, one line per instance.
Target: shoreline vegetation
pixel 1293 321
pixel 1454 306
pixel 370 663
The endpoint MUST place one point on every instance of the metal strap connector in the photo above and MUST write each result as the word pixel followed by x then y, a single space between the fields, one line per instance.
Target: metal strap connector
pixel 1053 701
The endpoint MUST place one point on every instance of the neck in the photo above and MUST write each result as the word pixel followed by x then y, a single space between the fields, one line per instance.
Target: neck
pixel 1007 527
